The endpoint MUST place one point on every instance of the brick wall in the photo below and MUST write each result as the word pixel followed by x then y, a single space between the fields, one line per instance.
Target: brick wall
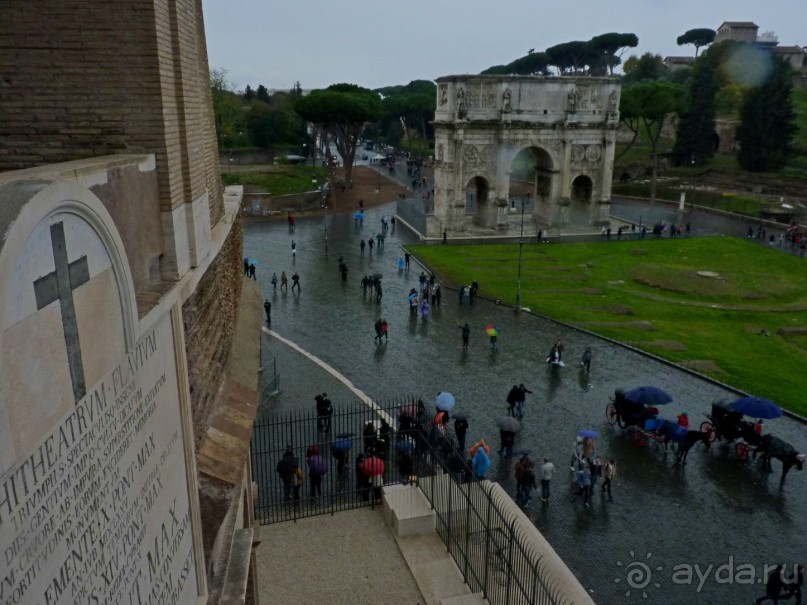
pixel 209 316
pixel 84 78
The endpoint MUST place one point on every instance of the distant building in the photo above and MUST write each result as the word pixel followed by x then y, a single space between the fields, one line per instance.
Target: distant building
pixel 677 63
pixel 740 31
pixel 792 54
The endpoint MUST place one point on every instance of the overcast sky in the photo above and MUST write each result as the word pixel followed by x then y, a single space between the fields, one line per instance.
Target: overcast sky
pixel 381 43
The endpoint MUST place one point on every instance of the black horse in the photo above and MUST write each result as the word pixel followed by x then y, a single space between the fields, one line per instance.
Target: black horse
pixel 773 447
pixel 684 438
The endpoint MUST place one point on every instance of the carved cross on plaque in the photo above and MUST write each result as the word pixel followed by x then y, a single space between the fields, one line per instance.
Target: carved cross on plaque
pixel 59 285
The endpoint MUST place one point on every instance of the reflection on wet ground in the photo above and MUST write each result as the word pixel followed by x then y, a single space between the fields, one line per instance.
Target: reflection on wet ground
pixel 714 511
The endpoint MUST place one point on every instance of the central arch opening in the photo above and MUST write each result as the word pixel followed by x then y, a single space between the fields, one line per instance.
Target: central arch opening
pixel 531 180
pixel 582 188
pixel 477 202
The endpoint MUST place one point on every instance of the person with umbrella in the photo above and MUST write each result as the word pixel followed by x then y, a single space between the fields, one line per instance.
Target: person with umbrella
pixel 584 484
pixel 508 427
pixel 370 436
pixel 286 468
pixel 340 449
pixel 413 302
pixel 493 333
pixel 460 430
pixel 528 483
pixel 373 467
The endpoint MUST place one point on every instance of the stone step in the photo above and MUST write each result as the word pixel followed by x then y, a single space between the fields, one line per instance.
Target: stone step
pixel 435 572
pixel 407 511
pixel 467 599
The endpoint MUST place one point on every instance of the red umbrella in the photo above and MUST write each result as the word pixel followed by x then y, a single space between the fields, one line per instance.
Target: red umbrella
pixel 372 466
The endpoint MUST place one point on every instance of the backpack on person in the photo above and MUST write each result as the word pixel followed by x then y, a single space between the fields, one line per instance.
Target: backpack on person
pixel 297 477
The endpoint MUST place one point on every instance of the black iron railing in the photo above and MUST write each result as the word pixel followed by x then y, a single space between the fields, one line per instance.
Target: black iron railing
pixel 476 520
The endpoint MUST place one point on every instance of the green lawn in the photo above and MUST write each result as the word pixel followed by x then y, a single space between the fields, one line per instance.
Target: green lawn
pixel 280 179
pixel 726 328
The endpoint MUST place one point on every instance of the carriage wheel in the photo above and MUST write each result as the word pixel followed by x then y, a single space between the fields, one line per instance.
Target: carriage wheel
pixel 742 450
pixel 708 428
pixel 639 438
pixel 610 414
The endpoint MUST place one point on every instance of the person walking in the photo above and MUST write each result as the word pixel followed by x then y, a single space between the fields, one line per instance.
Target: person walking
pixel 324 412
pixel 384 330
pixel 295 282
pixel 365 281
pixel 773 588
pixel 413 302
pixel 377 327
pixel 378 292
pixel 293 248
pixel 585 361
pixel 362 244
pixel 596 472
pixel 407 256
pixel 246 266
pixel 609 474
pixel 460 430
pixel 793 588
pixel 466 334
pixel 267 307
pixel 284 281
pixel 508 440
pixel 577 454
pixel 512 398
pixel 285 470
pixel 438 294
pixel 252 270
pixel 473 291
pixel 521 398
pixel 274 282
pixel 494 341
pixel 518 471
pixel 528 484
pixel 547 470
pixel 424 309
pixel 480 461
pixel 584 483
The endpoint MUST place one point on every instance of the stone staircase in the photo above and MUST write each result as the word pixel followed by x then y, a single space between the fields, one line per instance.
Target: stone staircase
pixel 412 521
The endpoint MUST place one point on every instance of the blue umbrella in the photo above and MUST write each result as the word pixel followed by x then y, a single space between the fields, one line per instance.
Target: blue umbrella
pixel 648 396
pixel 411 296
pixel 358 215
pixel 757 407
pixel 342 444
pixel 445 401
pixel 588 433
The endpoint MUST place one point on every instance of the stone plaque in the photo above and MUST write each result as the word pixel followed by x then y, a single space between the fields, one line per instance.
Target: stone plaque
pixel 94 504
pixel 98 510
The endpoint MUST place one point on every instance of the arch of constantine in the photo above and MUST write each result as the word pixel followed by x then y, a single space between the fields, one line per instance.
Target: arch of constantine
pixel 547 140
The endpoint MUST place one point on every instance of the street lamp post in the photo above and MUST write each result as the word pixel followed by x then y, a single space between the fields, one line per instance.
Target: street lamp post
pixel 520 248
pixel 325 221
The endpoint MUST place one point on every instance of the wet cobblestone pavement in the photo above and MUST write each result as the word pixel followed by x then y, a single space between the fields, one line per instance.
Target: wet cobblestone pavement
pixel 715 513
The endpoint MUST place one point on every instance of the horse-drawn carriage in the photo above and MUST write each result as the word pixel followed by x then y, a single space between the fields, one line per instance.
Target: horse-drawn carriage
pixel 727 424
pixel 636 410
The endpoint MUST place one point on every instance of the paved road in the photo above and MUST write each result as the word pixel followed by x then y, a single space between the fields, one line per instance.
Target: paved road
pixel 715 511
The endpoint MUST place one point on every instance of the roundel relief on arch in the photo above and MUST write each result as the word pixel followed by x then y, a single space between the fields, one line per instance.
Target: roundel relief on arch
pixel 62 325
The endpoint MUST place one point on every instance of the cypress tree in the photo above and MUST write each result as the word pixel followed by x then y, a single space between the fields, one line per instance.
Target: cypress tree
pixel 694 139
pixel 768 122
